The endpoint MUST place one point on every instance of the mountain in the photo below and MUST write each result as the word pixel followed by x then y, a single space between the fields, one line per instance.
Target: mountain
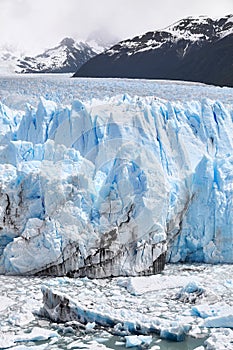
pixel 9 56
pixel 193 49
pixel 67 57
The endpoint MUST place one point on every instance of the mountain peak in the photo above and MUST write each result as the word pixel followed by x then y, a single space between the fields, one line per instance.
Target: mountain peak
pixel 202 27
pixel 67 42
pixel 66 57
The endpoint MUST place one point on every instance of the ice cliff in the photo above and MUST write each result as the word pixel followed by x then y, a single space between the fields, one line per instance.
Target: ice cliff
pixel 114 187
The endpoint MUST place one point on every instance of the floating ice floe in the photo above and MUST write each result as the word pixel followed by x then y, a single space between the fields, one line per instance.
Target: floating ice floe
pixel 10 339
pixel 136 340
pixel 142 285
pixel 217 315
pixel 36 334
pixel 60 308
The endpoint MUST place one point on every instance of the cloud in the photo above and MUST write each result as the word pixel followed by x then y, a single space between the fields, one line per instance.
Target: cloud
pixel 40 24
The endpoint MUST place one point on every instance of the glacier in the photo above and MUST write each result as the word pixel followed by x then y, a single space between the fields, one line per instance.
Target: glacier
pixel 116 186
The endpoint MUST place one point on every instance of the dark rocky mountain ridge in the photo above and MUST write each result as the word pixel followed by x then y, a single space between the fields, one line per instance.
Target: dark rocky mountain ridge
pixel 193 49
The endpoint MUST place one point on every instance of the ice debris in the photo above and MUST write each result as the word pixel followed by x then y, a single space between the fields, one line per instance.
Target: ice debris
pixel 221 339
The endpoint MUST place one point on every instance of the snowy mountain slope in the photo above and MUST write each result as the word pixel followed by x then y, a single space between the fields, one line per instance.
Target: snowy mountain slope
pixel 67 57
pixel 202 28
pixel 193 49
pixel 8 59
pixel 83 192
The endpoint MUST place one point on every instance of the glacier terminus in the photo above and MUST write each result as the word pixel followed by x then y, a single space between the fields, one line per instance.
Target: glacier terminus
pixel 115 186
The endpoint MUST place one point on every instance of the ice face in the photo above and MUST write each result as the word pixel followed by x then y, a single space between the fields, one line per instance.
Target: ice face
pixel 110 188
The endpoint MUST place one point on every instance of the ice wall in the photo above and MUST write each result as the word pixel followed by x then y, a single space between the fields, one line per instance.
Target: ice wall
pixel 112 187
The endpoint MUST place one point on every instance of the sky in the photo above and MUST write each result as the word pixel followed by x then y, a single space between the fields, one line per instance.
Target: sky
pixel 33 25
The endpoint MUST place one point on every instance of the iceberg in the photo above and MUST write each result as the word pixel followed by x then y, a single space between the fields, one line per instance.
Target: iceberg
pixel 59 307
pixel 115 187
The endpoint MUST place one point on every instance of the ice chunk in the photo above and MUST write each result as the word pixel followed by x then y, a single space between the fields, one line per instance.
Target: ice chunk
pixel 205 310
pixel 6 340
pixel 119 343
pixel 145 339
pixel 132 340
pixel 37 334
pixel 135 340
pixel 219 321
pixel 216 315
pixel 220 339
pixel 174 333
pixel 141 285
pixel 5 302
pixel 190 292
pixel 90 326
pixel 20 319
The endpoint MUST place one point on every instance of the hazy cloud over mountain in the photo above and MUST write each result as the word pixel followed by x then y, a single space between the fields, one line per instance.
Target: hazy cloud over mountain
pixel 39 24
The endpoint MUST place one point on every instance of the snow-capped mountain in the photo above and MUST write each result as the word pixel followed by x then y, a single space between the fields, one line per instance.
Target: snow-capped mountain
pixel 67 57
pixel 196 49
pixel 9 56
